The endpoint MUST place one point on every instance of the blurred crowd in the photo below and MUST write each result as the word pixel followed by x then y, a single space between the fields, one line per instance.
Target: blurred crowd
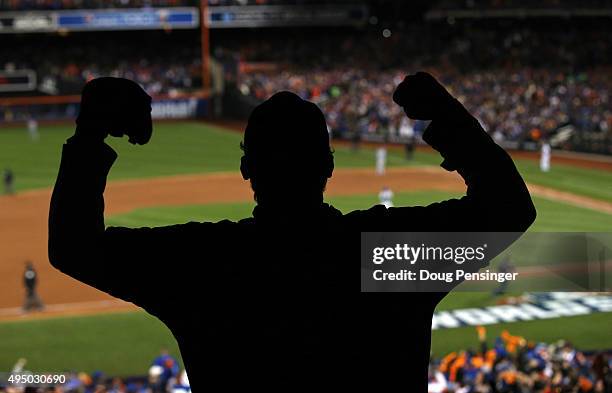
pixel 522 83
pixel 164 376
pixel 515 365
pixel 64 65
pixel 155 78
pixel 353 100
pixel 512 105
pixel 166 77
pixel 512 364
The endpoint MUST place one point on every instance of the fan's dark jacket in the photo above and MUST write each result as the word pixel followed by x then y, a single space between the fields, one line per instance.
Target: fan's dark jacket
pixel 273 300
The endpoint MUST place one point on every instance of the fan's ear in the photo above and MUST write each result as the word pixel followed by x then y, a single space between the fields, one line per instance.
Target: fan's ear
pixel 244 168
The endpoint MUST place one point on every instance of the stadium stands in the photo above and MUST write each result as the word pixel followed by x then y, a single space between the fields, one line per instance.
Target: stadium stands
pixel 525 79
pixel 512 364
pixel 63 65
pixel 523 84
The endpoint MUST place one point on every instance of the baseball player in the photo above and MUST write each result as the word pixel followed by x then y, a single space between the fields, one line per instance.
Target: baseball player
pixel 8 178
pixel 30 280
pixel 406 132
pixel 33 129
pixel 381 160
pixel 545 157
pixel 386 197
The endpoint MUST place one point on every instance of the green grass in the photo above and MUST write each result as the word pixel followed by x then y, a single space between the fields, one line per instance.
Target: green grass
pixel 552 216
pixel 587 332
pixel 191 147
pixel 118 344
pixel 559 217
pixel 588 182
pixel 176 148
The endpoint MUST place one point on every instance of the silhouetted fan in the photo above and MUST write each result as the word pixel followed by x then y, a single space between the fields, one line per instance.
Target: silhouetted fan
pixel 273 300
pixel 287 156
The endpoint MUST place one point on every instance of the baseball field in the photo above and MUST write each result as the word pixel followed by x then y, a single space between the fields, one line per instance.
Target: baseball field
pixel 189 172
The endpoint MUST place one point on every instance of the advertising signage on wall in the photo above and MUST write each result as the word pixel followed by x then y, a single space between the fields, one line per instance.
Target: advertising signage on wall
pixel 91 20
pixel 220 17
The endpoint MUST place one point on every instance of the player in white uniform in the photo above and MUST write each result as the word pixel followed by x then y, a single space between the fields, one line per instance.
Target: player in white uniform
pixel 381 160
pixel 545 157
pixel 33 129
pixel 386 197
pixel 406 128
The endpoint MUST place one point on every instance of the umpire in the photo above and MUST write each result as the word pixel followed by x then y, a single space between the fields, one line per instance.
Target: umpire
pixel 30 280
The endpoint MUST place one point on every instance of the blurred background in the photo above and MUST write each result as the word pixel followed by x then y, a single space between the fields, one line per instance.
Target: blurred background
pixel 537 75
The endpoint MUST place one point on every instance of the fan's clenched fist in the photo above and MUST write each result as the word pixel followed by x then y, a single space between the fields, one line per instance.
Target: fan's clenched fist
pixel 423 97
pixel 117 107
